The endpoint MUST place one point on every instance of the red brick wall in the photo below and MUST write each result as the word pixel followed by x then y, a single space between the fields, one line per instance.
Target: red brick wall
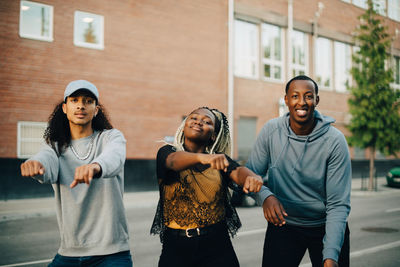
pixel 161 60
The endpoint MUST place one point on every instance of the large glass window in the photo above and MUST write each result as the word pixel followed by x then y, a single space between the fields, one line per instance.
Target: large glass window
pixel 394 9
pixel 89 30
pixel 379 5
pixel 299 50
pixel 30 138
pixel 342 66
pixel 361 3
pixel 246 49
pixel 36 21
pixel 272 45
pixel 323 68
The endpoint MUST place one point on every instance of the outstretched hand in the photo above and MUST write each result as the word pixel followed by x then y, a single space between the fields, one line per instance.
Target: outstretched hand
pixel 252 184
pixel 32 168
pixel 274 211
pixel 85 174
pixel 216 161
pixel 330 263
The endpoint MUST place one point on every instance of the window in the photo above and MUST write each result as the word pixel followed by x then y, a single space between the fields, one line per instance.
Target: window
pixel 283 109
pixel 30 138
pixel 396 72
pixel 246 136
pixel 88 30
pixel 299 48
pixel 361 3
pixel 324 63
pixel 272 45
pixel 394 9
pixel 342 66
pixel 36 21
pixel 379 5
pixel 246 49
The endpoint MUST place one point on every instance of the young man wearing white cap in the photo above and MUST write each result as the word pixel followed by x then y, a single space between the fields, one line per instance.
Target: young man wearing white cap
pixel 84 161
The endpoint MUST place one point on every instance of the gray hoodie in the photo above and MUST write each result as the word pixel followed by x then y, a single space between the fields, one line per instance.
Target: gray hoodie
pixel 310 175
pixel 91 218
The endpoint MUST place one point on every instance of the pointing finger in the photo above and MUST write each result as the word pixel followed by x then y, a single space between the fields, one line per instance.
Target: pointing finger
pixel 73 184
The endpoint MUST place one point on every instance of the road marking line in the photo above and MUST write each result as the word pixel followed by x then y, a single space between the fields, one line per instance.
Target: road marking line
pixel 352 254
pixel 26 263
pixel 362 252
pixel 251 232
pixel 393 210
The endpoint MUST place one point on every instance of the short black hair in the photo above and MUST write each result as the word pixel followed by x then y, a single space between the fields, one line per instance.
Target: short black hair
pixel 302 78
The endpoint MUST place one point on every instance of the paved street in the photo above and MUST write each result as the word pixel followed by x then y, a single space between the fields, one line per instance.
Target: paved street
pixel 31 238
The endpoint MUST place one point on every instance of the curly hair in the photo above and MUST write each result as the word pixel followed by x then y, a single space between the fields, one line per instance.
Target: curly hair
pixel 58 134
pixel 222 143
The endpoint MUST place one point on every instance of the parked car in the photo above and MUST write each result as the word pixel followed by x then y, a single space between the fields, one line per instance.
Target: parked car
pixel 393 177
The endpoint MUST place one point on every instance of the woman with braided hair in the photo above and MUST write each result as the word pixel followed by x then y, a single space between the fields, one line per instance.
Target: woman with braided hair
pixel 194 216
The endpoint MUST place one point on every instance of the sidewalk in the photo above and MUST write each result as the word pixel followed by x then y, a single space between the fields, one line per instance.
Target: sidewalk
pixel 42 207
pixel 382 188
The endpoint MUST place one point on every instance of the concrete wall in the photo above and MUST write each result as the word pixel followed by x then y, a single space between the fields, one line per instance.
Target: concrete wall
pixel 140 175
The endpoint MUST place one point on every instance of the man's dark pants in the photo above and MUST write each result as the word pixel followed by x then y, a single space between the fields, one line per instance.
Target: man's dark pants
pixel 286 245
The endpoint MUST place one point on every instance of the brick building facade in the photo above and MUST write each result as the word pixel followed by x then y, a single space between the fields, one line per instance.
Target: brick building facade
pixel 161 59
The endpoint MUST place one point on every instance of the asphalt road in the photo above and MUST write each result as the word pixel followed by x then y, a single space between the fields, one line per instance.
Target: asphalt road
pixel 374 225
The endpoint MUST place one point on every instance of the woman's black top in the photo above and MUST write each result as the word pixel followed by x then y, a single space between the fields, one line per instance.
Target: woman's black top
pixel 194 197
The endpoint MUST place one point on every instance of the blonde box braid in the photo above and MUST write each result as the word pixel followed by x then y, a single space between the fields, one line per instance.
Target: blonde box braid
pixel 222 143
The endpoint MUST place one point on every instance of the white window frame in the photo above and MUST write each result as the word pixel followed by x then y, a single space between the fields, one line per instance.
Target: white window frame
pixel 24 34
pixel 324 63
pixel 297 67
pixel 346 68
pixel 271 61
pixel 21 140
pixel 100 20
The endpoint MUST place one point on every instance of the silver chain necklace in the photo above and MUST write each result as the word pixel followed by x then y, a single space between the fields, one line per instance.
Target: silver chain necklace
pixel 87 155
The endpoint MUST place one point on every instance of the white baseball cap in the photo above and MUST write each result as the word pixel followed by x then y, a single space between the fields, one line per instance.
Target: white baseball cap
pixel 74 86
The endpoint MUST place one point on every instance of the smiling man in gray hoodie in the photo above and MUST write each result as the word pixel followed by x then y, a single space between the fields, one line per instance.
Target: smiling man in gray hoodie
pixel 307 199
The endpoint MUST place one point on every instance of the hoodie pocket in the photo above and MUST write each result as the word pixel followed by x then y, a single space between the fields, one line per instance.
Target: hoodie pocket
pixel 304 210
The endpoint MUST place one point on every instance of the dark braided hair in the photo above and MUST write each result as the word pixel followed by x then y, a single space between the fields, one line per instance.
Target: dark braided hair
pixel 222 143
pixel 58 133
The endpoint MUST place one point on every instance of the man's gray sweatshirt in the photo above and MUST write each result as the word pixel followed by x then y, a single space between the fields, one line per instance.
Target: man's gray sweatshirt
pixel 310 175
pixel 91 218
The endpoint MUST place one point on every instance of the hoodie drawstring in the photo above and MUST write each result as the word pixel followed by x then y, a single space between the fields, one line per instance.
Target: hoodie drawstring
pixel 301 156
pixel 280 153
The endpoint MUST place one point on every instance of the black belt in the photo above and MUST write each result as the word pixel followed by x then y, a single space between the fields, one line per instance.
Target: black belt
pixel 192 232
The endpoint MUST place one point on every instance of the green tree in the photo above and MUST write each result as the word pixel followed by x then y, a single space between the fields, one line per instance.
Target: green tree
pixel 374 105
